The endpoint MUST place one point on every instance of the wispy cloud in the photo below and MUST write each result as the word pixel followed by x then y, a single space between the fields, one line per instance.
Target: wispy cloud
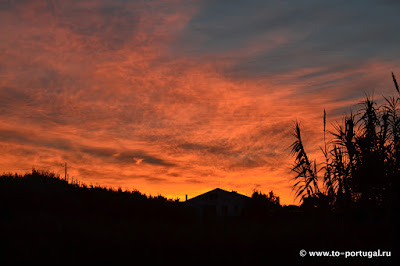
pixel 177 97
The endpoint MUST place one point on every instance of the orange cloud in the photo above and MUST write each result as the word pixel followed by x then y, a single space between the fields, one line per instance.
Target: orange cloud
pixel 103 86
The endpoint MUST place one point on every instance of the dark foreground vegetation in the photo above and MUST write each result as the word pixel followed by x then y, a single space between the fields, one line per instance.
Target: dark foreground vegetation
pixel 47 221
pixel 362 160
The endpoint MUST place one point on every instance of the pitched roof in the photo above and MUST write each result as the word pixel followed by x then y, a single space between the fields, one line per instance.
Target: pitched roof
pixel 219 191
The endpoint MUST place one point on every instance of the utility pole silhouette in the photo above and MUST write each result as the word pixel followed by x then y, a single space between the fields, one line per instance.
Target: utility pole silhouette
pixel 65 171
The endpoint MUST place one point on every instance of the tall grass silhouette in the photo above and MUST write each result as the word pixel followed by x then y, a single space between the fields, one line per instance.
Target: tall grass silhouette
pixel 362 164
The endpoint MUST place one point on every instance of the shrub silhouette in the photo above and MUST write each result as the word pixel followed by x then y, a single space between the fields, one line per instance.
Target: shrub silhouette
pixel 44 192
pixel 362 162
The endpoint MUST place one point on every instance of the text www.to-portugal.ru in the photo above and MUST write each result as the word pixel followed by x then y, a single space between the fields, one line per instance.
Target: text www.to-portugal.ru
pixel 346 254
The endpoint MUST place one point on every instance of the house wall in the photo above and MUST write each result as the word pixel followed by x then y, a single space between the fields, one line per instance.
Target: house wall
pixel 218 204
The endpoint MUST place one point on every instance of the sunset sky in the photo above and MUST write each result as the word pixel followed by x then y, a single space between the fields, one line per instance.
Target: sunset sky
pixel 179 97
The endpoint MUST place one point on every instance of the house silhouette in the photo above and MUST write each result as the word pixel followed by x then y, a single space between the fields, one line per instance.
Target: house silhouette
pixel 218 203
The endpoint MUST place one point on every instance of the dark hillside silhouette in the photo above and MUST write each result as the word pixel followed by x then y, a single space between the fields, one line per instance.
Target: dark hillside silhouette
pixel 44 192
pixel 46 220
